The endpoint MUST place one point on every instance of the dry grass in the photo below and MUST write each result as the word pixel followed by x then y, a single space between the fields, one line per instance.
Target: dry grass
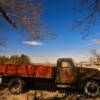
pixel 41 95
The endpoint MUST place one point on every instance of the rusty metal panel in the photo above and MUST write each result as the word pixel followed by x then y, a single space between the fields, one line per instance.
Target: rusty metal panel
pixel 11 69
pixel 89 73
pixel 31 70
pixel 44 72
pixel 22 71
pixel 66 75
pixel 2 69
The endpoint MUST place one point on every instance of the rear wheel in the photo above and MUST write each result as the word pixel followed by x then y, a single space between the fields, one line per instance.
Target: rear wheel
pixel 92 88
pixel 16 85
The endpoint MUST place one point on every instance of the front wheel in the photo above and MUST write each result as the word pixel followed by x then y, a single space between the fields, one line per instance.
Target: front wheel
pixel 16 85
pixel 92 88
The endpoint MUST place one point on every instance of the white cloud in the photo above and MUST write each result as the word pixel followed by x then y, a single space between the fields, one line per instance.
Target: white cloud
pixel 33 43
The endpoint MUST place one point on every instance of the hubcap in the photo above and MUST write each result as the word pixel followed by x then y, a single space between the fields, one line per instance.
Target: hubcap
pixel 92 88
pixel 16 85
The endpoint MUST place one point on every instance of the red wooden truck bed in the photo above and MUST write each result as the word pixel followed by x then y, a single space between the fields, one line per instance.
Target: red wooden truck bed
pixel 28 70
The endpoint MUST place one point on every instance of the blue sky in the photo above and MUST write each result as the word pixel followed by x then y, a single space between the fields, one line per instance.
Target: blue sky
pixel 58 14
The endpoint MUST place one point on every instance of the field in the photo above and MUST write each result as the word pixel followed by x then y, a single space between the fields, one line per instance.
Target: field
pixel 42 95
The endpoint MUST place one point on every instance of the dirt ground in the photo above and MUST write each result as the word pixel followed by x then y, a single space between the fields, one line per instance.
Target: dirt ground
pixel 42 95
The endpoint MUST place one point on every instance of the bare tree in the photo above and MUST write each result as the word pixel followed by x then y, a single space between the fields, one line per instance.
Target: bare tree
pixel 2 11
pixel 96 55
pixel 90 16
pixel 25 15
pixel 22 14
pixel 2 43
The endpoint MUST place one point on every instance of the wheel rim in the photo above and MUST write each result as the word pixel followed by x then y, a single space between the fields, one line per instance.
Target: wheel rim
pixel 92 89
pixel 16 85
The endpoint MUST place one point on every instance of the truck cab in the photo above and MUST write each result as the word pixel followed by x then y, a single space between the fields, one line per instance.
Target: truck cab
pixel 66 71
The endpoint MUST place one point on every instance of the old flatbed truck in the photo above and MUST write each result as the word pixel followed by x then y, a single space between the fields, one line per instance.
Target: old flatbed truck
pixel 64 75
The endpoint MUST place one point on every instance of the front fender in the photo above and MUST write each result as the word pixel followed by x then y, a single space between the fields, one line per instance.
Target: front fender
pixel 89 73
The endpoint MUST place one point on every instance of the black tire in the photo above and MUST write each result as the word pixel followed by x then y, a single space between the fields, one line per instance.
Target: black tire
pixel 92 88
pixel 16 85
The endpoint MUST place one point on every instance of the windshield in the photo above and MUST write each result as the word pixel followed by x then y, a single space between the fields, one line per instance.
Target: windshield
pixel 66 64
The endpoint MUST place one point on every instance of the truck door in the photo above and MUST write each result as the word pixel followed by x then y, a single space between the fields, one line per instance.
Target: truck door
pixel 66 71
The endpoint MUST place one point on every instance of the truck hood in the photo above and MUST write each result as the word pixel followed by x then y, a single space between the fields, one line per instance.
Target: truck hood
pixel 88 73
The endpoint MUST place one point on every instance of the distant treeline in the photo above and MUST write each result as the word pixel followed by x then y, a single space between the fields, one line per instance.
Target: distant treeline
pixel 15 59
